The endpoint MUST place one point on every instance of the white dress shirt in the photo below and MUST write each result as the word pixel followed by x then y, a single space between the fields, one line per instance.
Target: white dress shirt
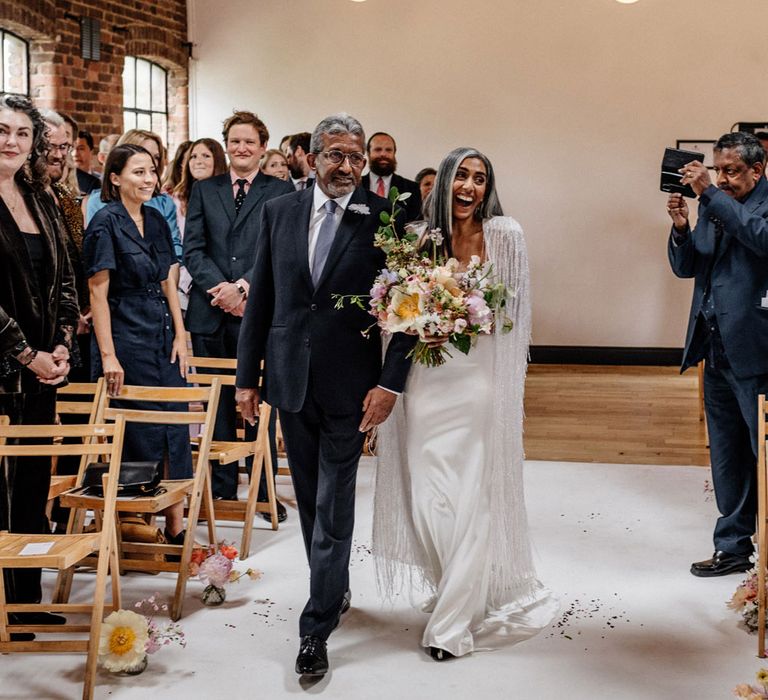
pixel 319 213
pixel 374 184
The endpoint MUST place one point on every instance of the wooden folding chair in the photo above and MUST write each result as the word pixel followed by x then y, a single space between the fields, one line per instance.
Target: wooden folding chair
pixel 226 452
pixel 762 523
pixel 175 491
pixel 64 551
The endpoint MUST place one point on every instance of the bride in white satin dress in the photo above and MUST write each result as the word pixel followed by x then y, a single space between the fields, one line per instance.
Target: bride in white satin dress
pixel 449 510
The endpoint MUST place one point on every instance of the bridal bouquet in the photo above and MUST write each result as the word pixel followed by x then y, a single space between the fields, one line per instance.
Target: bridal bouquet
pixel 421 293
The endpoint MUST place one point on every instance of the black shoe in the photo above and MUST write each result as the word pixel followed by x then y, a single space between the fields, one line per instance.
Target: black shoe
pixel 22 637
pixel 224 498
pixel 721 564
pixel 282 514
pixel 313 657
pixel 174 539
pixel 346 602
pixel 36 618
pixel 440 654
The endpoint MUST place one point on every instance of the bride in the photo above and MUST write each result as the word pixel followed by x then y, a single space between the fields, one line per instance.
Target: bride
pixel 449 510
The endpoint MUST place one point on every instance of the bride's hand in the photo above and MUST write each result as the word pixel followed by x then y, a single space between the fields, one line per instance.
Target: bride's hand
pixel 435 341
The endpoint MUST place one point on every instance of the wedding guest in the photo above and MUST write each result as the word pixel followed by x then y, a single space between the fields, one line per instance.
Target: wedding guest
pixel 139 335
pixel 222 229
pixel 83 151
pixel 152 143
pixel 725 253
pixel 296 152
pixel 85 181
pixel 205 158
pixel 38 315
pixel 273 163
pixel 449 493
pixel 382 162
pixel 425 179
pixel 325 377
pixel 173 176
pixel 105 146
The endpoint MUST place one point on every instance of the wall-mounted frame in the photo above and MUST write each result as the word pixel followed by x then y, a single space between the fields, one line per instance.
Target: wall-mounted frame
pixel 700 146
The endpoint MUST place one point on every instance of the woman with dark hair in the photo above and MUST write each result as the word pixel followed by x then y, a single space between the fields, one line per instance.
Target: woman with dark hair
pixel 139 336
pixel 173 176
pixel 425 179
pixel 449 507
pixel 205 158
pixel 38 315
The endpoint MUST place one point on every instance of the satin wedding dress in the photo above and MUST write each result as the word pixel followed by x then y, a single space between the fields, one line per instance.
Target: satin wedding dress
pixel 449 510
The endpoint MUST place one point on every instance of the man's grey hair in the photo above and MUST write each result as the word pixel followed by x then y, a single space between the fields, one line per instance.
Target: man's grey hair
pixel 52 118
pixel 335 125
pixel 747 145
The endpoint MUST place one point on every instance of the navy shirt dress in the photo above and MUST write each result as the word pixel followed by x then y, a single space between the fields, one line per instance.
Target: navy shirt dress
pixel 142 326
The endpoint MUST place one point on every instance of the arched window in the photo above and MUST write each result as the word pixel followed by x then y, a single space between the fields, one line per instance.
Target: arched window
pixel 145 92
pixel 14 64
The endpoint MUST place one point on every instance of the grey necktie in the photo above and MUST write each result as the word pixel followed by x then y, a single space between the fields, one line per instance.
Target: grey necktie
pixel 325 238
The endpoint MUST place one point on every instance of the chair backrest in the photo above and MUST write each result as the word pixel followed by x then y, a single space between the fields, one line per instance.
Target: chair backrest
pixel 207 395
pixel 210 365
pixel 80 399
pixel 37 441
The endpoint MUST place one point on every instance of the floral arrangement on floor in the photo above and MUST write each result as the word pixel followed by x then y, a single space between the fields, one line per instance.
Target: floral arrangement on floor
pixel 127 636
pixel 213 565
pixel 753 692
pixel 744 600
pixel 428 295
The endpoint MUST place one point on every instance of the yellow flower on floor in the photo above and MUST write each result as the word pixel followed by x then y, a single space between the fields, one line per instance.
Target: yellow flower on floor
pixel 762 676
pixel 123 641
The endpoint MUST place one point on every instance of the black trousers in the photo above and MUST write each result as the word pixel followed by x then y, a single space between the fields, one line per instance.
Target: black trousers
pixel 323 451
pixel 24 484
pixel 730 404
pixel 224 476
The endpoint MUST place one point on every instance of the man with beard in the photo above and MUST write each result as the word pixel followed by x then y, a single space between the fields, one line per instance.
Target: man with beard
pixel 296 150
pixel 325 377
pixel 382 162
pixel 727 255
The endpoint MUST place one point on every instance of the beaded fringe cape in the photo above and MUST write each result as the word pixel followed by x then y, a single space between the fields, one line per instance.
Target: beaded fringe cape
pixel 398 555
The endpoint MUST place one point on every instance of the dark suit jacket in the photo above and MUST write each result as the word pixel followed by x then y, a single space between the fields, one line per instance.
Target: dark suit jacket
pixel 738 271
pixel 86 182
pixel 412 205
pixel 220 245
pixel 295 328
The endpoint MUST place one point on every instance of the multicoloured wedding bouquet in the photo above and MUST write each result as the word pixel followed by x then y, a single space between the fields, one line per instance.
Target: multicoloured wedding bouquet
pixel 421 293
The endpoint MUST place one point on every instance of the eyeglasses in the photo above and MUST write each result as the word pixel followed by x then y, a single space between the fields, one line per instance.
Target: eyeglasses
pixel 62 147
pixel 356 160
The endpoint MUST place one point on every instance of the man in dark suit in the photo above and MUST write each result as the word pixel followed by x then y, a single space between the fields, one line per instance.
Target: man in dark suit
pixel 325 377
pixel 727 254
pixel 382 162
pixel 296 150
pixel 219 245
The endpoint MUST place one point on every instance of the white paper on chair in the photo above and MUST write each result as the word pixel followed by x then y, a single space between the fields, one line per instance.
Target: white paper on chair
pixel 34 548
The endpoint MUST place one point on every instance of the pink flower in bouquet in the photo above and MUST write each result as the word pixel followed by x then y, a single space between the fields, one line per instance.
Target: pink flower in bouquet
pixel 459 325
pixel 479 313
pixel 214 571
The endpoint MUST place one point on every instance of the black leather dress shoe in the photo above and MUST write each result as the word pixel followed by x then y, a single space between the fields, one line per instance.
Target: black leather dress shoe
pixel 346 602
pixel 282 514
pixel 36 618
pixel 313 657
pixel 721 564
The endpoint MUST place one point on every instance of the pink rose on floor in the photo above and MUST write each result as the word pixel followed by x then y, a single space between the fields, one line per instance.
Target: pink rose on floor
pixel 215 570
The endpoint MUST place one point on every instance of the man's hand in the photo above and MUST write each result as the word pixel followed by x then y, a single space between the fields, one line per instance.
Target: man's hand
pixel 248 401
pixel 677 208
pixel 377 406
pixel 696 175
pixel 84 323
pixel 239 310
pixel 226 296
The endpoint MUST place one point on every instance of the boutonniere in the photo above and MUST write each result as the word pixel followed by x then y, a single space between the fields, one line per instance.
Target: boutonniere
pixel 359 209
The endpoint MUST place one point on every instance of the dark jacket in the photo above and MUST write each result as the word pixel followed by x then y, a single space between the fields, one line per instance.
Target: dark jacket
pixel 46 321
pixel 412 205
pixel 736 267
pixel 219 244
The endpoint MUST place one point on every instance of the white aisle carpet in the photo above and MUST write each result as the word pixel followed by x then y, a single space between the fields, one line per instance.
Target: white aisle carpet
pixel 614 542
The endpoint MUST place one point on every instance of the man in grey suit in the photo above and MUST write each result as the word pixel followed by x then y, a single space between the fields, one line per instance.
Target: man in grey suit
pixel 219 245
pixel 727 254
pixel 328 380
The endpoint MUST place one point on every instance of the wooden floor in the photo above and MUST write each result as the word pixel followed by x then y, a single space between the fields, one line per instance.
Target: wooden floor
pixel 630 415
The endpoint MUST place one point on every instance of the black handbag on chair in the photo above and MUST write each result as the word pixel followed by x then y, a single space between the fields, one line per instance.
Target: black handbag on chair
pixel 136 478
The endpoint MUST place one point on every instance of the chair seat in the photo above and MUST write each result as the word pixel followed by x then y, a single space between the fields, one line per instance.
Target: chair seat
pixel 226 452
pixel 66 551
pixel 174 491
pixel 60 484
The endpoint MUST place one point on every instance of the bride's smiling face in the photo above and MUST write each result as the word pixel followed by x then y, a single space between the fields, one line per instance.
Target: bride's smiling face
pixel 469 188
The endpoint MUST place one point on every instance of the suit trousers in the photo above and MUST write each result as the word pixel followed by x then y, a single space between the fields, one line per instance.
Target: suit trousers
pixel 323 451
pixel 24 484
pixel 730 404
pixel 224 476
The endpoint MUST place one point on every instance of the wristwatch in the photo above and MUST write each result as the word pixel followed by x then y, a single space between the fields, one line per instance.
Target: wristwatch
pixel 241 289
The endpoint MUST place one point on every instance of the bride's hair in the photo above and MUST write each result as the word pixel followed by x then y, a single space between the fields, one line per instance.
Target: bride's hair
pixel 438 207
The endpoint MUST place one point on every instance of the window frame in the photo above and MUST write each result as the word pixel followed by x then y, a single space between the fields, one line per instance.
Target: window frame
pixel 141 111
pixel 3 33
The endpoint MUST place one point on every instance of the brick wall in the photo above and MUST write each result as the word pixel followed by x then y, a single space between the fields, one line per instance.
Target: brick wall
pixel 91 91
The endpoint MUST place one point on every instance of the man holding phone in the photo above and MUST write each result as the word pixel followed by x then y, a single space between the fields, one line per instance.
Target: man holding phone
pixel 727 254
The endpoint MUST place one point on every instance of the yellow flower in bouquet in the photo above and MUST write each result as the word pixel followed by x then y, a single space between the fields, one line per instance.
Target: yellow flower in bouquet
pixel 123 641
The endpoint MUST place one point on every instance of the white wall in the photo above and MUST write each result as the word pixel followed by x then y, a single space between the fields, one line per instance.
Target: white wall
pixel 573 101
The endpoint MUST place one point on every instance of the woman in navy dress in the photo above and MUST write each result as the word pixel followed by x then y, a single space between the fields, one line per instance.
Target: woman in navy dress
pixel 138 328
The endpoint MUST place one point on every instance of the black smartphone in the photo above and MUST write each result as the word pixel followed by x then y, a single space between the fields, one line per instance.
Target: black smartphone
pixel 671 180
